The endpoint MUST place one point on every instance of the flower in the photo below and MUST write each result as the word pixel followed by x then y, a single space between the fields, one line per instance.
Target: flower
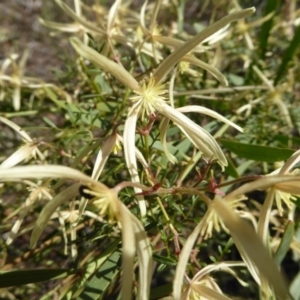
pixel 278 191
pixel 250 246
pixel 134 237
pixel 25 152
pixel 203 286
pixel 212 220
pixel 148 99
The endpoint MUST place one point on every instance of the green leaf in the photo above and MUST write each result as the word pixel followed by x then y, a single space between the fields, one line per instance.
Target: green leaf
pixel 101 280
pixel 257 152
pixel 288 54
pixel 161 291
pixel 235 79
pixel 49 122
pixel 285 140
pixel 266 27
pixel 231 169
pixel 165 260
pixel 19 277
pixel 90 269
pixel 286 240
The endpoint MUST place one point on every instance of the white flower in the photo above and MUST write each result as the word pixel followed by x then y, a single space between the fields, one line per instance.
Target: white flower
pixel 134 237
pixel 149 99
pixel 25 152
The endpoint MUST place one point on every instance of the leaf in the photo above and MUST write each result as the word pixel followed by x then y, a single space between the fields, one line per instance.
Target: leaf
pixel 286 240
pixel 99 283
pixel 161 291
pixel 231 169
pixel 266 27
pixel 288 54
pixel 257 152
pixel 165 260
pixel 91 268
pixel 19 277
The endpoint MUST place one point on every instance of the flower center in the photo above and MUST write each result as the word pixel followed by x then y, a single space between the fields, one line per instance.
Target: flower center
pixel 149 97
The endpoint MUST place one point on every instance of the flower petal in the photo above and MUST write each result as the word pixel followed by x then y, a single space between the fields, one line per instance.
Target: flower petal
pixel 130 157
pixel 209 68
pixel 49 210
pixel 198 136
pixel 165 67
pixel 103 155
pixel 244 235
pixel 145 261
pixel 128 251
pixel 208 112
pixel 16 128
pixel 105 64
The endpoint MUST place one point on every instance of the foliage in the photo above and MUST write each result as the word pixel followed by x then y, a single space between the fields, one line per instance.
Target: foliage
pixel 115 175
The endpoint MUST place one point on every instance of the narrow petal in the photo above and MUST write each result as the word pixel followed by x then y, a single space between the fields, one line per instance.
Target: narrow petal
pixel 165 67
pixel 18 156
pixel 290 163
pixel 47 171
pixel 145 261
pixel 163 137
pixel 290 187
pixel 198 136
pixel 261 184
pixel 154 15
pixel 103 155
pixel 225 266
pixel 209 68
pixel 105 64
pixel 128 251
pixel 86 24
pixel 48 211
pixel 264 216
pixel 138 155
pixel 16 128
pixel 209 112
pixel 142 18
pixel 183 260
pixel 112 16
pixel 61 26
pixel 17 98
pixel 130 157
pixel 253 247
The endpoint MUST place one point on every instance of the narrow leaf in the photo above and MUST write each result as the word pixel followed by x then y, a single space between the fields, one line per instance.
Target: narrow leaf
pixel 99 283
pixel 91 268
pixel 19 277
pixel 266 27
pixel 257 152
pixel 288 55
pixel 286 240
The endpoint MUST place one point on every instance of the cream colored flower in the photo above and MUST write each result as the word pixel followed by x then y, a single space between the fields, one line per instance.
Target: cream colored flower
pixel 212 220
pixel 134 237
pixel 204 287
pixel 25 152
pixel 148 98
